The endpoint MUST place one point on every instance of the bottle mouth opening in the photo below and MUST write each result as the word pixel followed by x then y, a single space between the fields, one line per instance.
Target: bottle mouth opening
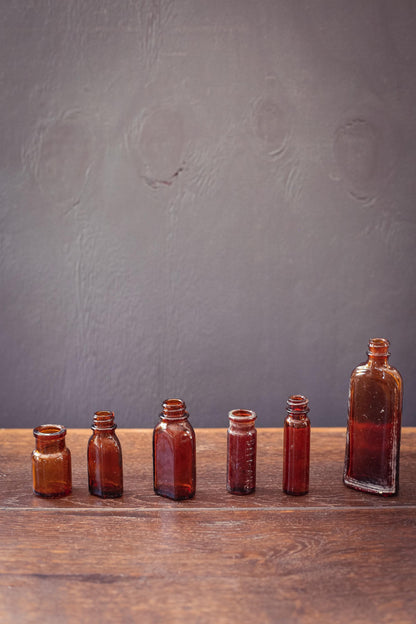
pixel 173 403
pixel 378 346
pixel 103 419
pixel 174 409
pixel 297 402
pixel 242 415
pixel 49 431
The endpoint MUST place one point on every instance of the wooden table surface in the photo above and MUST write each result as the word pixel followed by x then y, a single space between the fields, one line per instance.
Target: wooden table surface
pixel 335 555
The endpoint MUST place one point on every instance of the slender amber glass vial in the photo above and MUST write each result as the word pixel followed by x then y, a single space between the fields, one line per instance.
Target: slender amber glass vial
pixel 174 468
pixel 296 446
pixel 374 424
pixel 105 464
pixel 241 452
pixel 51 462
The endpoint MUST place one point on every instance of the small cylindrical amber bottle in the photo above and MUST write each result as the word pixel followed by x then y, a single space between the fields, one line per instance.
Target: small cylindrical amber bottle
pixel 51 462
pixel 374 424
pixel 174 469
pixel 241 452
pixel 296 446
pixel 105 465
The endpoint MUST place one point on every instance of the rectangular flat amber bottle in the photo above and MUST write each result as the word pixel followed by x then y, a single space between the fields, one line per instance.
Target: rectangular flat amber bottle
pixel 374 424
pixel 174 465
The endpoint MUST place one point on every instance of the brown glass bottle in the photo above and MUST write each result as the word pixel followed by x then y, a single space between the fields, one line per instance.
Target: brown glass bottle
pixel 51 462
pixel 296 446
pixel 105 464
pixel 374 424
pixel 241 452
pixel 174 470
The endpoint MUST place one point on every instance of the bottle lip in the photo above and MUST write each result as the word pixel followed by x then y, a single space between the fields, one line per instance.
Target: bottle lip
pixel 174 409
pixel 173 403
pixel 378 347
pixel 298 403
pixel 242 415
pixel 103 420
pixel 49 431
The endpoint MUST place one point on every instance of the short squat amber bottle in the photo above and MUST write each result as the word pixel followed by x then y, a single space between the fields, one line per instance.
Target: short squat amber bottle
pixel 241 452
pixel 51 462
pixel 296 446
pixel 374 424
pixel 174 471
pixel 105 465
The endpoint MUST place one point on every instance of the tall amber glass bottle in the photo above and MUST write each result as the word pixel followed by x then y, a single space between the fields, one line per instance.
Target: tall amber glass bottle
pixel 174 471
pixel 241 452
pixel 296 446
pixel 105 464
pixel 51 462
pixel 374 424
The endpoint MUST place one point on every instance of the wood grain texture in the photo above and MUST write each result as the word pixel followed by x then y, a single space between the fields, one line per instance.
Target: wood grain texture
pixel 326 487
pixel 334 555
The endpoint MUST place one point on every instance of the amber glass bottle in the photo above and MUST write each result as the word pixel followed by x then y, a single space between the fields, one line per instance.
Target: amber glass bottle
pixel 174 472
pixel 374 424
pixel 296 446
pixel 51 462
pixel 241 452
pixel 105 465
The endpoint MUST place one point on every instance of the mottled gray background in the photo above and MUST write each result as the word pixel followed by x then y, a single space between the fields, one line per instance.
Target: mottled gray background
pixel 206 199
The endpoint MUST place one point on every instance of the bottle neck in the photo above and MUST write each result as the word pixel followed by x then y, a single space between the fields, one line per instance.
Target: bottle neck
pixel 103 421
pixel 174 409
pixel 49 438
pixel 242 420
pixel 297 406
pixel 378 351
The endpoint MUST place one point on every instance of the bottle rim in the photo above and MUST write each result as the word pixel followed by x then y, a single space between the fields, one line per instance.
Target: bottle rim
pixel 49 431
pixel 242 415
pixel 298 403
pixel 378 347
pixel 172 403
pixel 103 420
pixel 174 409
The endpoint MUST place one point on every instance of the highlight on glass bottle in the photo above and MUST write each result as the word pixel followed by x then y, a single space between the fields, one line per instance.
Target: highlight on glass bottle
pixel 374 424
pixel 296 446
pixel 241 452
pixel 105 464
pixel 51 462
pixel 174 466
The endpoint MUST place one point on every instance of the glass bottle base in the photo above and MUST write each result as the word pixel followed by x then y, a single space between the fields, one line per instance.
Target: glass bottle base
pixel 369 488
pixel 240 491
pixel 176 494
pixel 54 495
pixel 106 494
pixel 295 493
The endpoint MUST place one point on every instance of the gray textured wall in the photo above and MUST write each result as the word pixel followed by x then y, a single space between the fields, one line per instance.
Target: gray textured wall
pixel 206 199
